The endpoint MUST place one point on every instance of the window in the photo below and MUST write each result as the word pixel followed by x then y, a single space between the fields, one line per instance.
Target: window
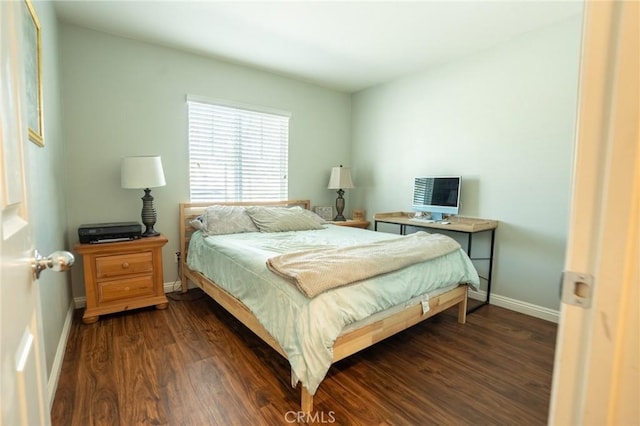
pixel 237 153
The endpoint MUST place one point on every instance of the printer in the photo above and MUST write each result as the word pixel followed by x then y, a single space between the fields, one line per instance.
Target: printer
pixel 109 232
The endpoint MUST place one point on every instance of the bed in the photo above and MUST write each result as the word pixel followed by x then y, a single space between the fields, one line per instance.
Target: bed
pixel 232 268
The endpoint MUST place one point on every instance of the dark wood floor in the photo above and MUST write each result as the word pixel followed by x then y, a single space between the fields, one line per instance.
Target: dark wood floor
pixel 194 364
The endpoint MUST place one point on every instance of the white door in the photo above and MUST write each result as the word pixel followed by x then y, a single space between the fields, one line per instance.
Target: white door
pixel 597 364
pixel 22 374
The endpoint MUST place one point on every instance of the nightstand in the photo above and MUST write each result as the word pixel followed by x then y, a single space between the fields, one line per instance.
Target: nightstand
pixel 122 275
pixel 364 224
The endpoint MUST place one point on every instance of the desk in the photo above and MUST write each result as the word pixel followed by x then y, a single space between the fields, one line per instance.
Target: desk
pixel 466 225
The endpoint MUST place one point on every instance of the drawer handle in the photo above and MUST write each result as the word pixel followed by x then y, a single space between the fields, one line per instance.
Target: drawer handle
pixel 125 265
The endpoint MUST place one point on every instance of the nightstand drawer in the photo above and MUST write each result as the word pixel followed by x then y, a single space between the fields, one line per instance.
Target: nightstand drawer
pixel 126 264
pixel 128 288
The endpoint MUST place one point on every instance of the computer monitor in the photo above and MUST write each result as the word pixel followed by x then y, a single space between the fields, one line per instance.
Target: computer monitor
pixel 437 195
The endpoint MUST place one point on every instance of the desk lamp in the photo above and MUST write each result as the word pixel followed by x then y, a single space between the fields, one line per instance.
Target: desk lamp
pixel 144 173
pixel 340 179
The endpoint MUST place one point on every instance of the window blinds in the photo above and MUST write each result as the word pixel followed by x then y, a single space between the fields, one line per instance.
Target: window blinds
pixel 237 154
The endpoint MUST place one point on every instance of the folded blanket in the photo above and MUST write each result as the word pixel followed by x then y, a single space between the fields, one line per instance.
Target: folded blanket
pixel 316 271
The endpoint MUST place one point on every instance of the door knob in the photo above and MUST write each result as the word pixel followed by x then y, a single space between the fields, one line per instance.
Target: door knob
pixel 57 261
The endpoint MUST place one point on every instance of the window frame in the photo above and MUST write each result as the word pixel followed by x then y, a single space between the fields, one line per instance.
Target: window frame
pixel 253 134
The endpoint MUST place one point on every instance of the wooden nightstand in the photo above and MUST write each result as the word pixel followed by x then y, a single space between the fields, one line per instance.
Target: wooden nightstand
pixel 364 224
pixel 123 275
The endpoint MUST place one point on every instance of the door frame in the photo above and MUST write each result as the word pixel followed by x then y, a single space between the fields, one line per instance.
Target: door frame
pixel 596 361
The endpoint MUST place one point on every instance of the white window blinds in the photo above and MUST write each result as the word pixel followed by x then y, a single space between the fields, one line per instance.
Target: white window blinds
pixel 237 154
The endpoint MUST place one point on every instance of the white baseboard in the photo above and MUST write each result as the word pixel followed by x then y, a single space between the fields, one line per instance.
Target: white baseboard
pixel 173 286
pixel 477 295
pixel 518 306
pixel 56 367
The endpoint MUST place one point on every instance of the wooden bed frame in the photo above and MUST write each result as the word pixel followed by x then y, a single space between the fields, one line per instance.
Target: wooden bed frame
pixel 346 344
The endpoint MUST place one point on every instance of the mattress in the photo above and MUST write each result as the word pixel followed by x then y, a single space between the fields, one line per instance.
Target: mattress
pixel 306 328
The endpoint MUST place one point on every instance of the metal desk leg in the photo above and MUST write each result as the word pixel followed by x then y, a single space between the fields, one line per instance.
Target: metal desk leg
pixel 486 301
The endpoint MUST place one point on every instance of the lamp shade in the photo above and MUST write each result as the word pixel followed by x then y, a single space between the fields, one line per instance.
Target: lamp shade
pixel 340 178
pixel 142 172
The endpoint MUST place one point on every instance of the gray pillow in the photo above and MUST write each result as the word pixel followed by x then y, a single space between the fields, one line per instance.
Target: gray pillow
pixel 221 220
pixel 312 215
pixel 280 219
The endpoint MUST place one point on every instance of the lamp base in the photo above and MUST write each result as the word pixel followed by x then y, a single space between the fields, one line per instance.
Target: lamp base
pixel 149 215
pixel 149 232
pixel 339 207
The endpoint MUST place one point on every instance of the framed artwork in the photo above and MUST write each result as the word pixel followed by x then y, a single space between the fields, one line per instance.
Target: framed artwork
pixel 33 73
pixel 324 212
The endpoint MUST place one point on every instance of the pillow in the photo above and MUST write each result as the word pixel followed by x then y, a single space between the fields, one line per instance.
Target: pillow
pixel 197 223
pixel 280 219
pixel 221 220
pixel 312 215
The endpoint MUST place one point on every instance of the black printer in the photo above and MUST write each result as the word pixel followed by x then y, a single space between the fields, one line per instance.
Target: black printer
pixel 109 232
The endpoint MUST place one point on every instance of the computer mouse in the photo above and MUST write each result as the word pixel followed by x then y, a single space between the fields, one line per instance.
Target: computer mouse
pixel 445 223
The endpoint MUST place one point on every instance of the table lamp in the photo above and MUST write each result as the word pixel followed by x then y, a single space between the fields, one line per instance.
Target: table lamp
pixel 144 172
pixel 340 179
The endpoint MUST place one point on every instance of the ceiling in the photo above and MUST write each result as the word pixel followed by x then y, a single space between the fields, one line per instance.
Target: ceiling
pixel 339 44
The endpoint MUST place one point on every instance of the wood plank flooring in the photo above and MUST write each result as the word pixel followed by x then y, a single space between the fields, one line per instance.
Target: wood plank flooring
pixel 194 364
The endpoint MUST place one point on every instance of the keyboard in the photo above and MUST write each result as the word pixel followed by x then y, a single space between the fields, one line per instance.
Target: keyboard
pixel 418 220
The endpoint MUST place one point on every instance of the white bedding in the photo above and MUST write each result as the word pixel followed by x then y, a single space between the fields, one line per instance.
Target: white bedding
pixel 307 328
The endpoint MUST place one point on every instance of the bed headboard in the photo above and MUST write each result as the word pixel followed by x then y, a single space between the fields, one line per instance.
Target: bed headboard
pixel 189 211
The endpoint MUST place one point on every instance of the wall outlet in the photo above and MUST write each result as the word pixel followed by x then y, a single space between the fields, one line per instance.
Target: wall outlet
pixel 177 257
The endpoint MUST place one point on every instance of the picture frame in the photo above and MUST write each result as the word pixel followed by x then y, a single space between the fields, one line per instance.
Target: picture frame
pixel 325 212
pixel 32 41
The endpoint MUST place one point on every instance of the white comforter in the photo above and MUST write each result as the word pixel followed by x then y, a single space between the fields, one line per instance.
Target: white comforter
pixel 307 328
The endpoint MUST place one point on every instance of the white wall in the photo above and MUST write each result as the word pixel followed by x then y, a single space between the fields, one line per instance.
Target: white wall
pixel 503 119
pixel 47 206
pixel 123 97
